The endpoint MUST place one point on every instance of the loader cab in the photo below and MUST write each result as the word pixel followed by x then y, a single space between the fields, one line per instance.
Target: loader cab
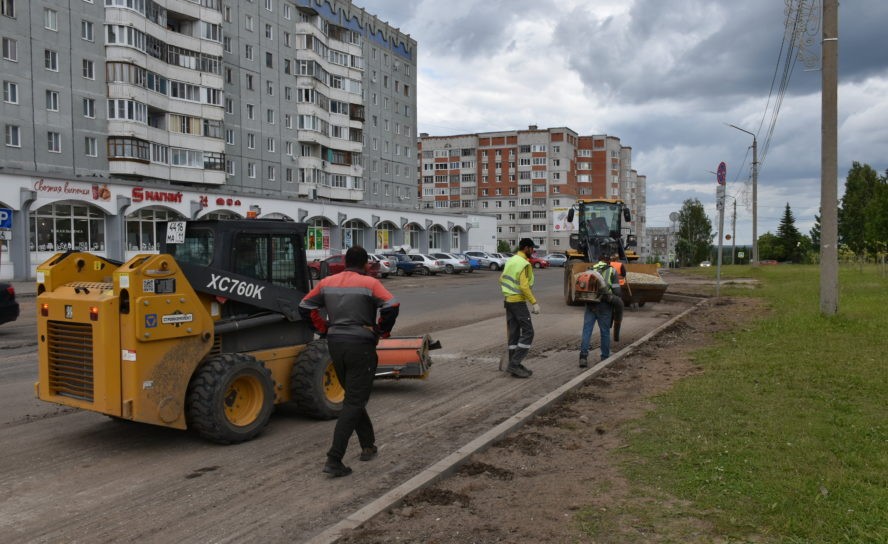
pixel 265 250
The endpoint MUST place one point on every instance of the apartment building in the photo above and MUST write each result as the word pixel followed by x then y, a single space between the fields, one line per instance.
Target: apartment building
pixel 528 179
pixel 119 115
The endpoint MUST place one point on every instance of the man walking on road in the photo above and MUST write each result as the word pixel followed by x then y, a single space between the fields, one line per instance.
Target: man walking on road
pixel 600 311
pixel 351 299
pixel 516 283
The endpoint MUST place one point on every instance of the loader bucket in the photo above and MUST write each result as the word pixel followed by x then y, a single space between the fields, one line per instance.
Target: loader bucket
pixel 404 357
pixel 643 284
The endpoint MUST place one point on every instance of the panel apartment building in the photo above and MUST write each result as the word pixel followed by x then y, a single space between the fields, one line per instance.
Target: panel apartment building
pixel 121 114
pixel 529 179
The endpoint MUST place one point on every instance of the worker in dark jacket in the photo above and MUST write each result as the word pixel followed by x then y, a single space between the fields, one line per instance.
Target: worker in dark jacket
pixel 600 311
pixel 351 300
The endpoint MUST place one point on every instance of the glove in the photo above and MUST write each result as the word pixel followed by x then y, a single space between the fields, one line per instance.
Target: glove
pixel 535 309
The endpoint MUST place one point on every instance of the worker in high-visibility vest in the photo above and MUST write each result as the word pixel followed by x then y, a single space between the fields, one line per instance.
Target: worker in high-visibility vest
pixel 516 283
pixel 600 311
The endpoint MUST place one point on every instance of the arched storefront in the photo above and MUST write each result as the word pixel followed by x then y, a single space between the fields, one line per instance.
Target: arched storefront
pixel 62 226
pixel 387 236
pixel 317 242
pixel 145 229
pixel 437 238
pixel 413 236
pixel 354 233
pixel 458 239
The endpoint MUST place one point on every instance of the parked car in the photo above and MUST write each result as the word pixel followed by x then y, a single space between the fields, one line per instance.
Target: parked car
pixel 404 265
pixel 427 265
pixel 452 263
pixel 497 261
pixel 9 308
pixel 386 266
pixel 336 264
pixel 482 257
pixel 474 263
pixel 538 262
pixel 706 264
pixel 556 259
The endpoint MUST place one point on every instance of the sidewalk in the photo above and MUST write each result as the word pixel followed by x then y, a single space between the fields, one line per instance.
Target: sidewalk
pixel 24 289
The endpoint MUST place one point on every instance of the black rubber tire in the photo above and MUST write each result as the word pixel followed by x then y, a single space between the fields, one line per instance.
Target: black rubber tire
pixel 537 265
pixel 494 267
pixel 308 381
pixel 422 271
pixel 569 295
pixel 448 268
pixel 314 273
pixel 208 395
pixel 400 272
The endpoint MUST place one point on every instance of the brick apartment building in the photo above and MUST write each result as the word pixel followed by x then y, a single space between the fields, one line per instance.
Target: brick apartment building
pixel 529 179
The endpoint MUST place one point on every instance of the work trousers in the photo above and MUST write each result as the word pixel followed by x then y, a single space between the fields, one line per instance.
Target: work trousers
pixel 355 364
pixel 520 331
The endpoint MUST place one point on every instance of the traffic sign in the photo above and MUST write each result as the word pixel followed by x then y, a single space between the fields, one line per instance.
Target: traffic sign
pixel 722 173
pixel 5 218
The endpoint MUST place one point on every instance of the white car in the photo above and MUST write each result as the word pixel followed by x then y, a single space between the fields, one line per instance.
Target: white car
pixel 452 263
pixel 386 267
pixel 486 260
pixel 425 263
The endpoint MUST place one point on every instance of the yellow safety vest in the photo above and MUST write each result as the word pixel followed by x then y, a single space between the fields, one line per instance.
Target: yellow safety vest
pixel 509 282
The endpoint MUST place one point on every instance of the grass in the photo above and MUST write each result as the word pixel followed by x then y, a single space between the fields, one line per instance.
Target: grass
pixel 784 436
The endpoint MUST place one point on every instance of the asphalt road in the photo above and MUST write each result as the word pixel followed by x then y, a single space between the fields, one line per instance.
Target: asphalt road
pixel 71 476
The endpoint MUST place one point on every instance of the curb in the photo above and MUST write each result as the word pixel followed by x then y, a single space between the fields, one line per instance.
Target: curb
pixel 447 466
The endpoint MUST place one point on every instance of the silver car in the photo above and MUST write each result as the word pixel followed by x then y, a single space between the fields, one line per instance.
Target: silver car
pixel 386 267
pixel 483 258
pixel 556 259
pixel 426 264
pixel 452 263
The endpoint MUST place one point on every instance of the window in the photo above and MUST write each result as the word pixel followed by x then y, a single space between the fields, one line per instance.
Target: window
pixel 89 69
pixel 271 173
pixel 60 227
pixel 251 169
pixel 251 140
pixel 7 7
pixel 249 82
pixel 10 92
pixel 268 32
pixel 269 5
pixel 13 136
pixel 87 31
pixel 269 60
pixel 270 145
pixel 91 147
pixel 51 60
pixel 52 100
pixel 251 111
pixel 54 142
pixel 50 19
pixel 89 108
pixel 10 49
pixel 269 116
pixel 269 88
pixel 248 22
pixel 229 136
pixel 248 52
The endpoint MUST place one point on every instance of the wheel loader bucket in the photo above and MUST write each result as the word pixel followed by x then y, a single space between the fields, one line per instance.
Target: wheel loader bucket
pixel 405 357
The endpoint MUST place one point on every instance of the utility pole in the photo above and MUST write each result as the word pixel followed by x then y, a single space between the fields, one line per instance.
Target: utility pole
pixel 734 234
pixel 829 232
pixel 755 251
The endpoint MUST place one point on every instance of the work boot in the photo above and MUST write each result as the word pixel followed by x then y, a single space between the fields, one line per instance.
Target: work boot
pixel 368 453
pixel 584 362
pixel 336 469
pixel 524 368
pixel 518 371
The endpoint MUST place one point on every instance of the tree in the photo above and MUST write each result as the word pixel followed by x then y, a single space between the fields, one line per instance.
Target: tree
pixel 789 237
pixel 694 233
pixel 502 246
pixel 860 190
pixel 770 248
pixel 814 233
pixel 876 212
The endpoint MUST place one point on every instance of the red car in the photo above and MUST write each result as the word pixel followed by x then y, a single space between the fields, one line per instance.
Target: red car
pixel 538 262
pixel 336 264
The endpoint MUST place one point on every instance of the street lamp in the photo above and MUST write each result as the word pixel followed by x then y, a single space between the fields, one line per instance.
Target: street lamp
pixel 755 251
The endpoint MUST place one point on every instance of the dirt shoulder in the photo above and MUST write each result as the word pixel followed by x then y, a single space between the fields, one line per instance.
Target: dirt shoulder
pixel 557 479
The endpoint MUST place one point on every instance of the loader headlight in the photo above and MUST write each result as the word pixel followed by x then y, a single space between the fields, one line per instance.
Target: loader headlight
pixel 44 309
pixel 93 313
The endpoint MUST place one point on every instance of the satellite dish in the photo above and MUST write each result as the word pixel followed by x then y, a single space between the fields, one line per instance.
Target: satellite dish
pixel 673 216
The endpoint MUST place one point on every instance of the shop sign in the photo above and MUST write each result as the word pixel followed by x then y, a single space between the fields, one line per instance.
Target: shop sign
pixel 141 194
pixel 78 190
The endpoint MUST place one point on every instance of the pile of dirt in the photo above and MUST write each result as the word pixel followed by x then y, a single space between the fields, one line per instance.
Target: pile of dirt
pixel 557 479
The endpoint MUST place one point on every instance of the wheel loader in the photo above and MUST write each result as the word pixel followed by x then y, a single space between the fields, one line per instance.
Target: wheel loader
pixel 599 236
pixel 205 335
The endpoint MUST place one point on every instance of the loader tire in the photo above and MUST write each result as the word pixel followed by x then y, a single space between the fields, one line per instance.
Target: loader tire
pixel 230 398
pixel 314 386
pixel 570 295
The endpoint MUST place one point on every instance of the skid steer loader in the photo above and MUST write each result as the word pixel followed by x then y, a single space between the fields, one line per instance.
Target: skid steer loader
pixel 205 335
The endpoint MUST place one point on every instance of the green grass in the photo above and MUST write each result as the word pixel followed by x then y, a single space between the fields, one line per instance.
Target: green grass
pixel 785 434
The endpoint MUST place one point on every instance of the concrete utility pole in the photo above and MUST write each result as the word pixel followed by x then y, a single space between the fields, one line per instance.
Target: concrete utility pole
pixel 829 230
pixel 755 246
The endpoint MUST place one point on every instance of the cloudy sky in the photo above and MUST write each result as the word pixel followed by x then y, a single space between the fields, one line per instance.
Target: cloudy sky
pixel 663 76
